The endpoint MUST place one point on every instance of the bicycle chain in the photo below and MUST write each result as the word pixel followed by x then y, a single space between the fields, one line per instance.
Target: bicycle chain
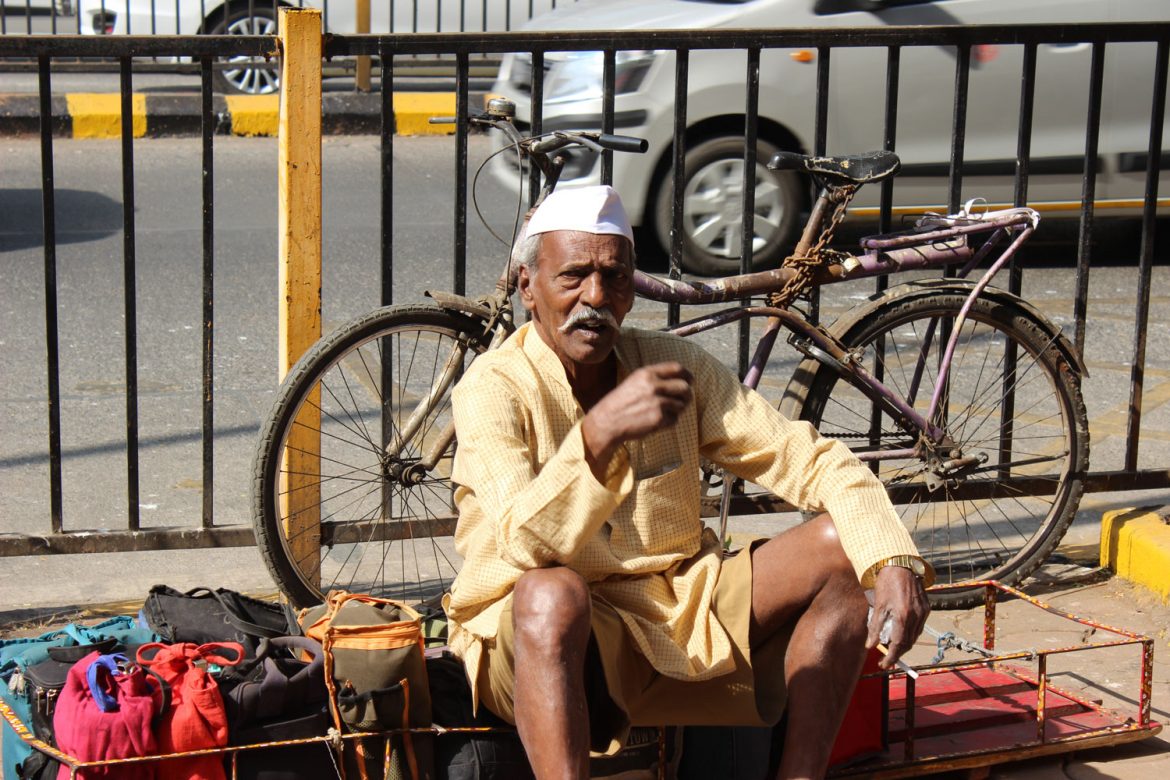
pixel 817 256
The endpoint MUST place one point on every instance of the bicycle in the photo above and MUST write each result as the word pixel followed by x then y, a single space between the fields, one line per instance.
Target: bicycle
pixel 963 398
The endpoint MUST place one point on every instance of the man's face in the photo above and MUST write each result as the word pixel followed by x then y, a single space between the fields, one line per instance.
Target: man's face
pixel 576 271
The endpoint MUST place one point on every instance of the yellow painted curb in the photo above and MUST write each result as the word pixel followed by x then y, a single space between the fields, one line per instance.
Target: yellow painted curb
pixel 413 110
pixel 254 114
pixel 1135 543
pixel 99 115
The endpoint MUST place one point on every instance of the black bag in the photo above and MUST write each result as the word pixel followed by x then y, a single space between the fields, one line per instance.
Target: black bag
pixel 203 615
pixel 492 755
pixel 274 697
pixel 732 752
pixel 279 685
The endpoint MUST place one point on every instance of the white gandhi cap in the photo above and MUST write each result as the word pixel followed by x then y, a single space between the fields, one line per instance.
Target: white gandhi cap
pixel 596 209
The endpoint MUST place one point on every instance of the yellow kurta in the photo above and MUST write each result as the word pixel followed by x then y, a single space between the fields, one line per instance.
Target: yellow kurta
pixel 527 497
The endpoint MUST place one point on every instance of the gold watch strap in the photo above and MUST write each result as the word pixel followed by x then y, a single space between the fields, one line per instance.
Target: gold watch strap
pixel 918 566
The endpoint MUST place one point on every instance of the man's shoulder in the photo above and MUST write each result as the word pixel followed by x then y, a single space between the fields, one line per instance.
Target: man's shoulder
pixel 656 346
pixel 507 364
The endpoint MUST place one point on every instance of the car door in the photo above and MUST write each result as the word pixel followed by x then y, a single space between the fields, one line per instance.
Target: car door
pixel 926 100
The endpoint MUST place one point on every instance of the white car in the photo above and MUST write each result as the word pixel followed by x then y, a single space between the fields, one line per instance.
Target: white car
pixel 258 17
pixel 644 106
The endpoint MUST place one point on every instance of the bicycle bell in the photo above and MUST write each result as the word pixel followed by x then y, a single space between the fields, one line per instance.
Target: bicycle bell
pixel 501 108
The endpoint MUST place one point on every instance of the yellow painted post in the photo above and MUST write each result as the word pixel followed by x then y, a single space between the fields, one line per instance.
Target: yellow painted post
pixel 299 173
pixel 361 76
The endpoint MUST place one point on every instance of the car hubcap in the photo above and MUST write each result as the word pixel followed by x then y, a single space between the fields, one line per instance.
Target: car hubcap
pixel 247 74
pixel 712 208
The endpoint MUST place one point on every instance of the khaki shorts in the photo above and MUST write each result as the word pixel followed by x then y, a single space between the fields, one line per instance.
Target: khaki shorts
pixel 623 689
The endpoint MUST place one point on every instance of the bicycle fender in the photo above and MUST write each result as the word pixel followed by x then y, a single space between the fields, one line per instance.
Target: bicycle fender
pixel 928 287
pixel 459 303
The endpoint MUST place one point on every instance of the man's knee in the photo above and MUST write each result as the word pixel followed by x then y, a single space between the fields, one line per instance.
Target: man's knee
pixel 552 605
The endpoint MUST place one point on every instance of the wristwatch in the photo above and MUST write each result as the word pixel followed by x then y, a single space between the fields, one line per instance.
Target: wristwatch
pixel 911 562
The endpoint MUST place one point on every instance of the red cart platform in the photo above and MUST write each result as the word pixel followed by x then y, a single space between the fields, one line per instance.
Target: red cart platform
pixel 994 706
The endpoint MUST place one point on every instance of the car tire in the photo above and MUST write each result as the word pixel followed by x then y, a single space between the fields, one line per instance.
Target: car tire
pixel 247 75
pixel 711 208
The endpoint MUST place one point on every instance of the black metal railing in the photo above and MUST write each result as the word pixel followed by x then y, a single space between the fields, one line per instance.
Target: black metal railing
pixel 207 530
pixel 104 17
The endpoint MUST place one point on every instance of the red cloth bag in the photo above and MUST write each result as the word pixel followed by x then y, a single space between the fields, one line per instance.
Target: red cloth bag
pixel 105 711
pixel 196 718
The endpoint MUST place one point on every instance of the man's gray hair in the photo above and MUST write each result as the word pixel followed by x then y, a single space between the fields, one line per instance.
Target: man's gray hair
pixel 525 251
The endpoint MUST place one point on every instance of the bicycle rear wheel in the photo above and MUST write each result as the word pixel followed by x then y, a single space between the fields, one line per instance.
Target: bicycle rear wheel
pixel 997 498
pixel 351 482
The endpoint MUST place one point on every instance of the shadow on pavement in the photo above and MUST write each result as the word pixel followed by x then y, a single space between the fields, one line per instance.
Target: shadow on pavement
pixel 81 215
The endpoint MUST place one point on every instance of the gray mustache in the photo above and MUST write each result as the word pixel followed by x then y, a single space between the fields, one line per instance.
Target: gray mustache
pixel 589 316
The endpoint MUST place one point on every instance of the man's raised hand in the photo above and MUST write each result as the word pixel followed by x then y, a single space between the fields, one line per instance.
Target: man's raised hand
pixel 648 400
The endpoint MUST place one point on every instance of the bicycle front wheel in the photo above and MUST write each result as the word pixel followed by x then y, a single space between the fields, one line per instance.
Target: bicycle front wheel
pixel 352 482
pixel 994 499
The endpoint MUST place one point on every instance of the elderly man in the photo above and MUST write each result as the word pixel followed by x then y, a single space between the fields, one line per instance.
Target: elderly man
pixel 591 596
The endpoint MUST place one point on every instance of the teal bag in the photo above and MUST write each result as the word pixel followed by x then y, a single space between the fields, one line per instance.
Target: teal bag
pixel 16 655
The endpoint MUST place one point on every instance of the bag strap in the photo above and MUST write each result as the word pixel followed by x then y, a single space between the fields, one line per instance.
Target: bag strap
pixel 109 664
pixel 164 703
pixel 71 654
pixel 240 623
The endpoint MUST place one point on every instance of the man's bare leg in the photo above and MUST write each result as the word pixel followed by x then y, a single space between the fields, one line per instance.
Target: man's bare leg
pixel 803 575
pixel 550 617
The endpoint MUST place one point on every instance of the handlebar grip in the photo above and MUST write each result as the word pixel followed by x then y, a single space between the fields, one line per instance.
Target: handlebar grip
pixel 443 120
pixel 623 143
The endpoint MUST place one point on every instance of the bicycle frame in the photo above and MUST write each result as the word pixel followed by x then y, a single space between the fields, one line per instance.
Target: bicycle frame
pixel 944 244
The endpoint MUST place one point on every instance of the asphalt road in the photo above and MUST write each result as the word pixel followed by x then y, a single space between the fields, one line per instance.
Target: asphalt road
pixel 168 243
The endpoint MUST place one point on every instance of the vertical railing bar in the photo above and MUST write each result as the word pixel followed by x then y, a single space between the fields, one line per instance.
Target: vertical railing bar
pixel 52 348
pixel 386 137
pixel 1024 150
pixel 1088 194
pixel 682 66
pixel 1007 412
pixel 608 79
pixel 959 127
pixel 484 18
pixel 130 295
pixel 461 111
pixel 537 120
pixel 747 244
pixel 1146 259
pixel 208 130
pixel 821 126
pixel 885 220
pixel 890 144
pixel 820 146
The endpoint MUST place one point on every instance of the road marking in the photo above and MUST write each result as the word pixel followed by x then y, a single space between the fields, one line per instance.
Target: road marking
pixel 98 115
pixel 1135 543
pixel 254 115
pixel 413 110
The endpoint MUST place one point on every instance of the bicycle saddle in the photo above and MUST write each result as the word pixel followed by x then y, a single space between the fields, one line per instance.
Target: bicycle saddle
pixel 854 168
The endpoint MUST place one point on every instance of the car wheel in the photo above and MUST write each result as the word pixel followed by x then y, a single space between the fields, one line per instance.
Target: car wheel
pixel 712 211
pixel 248 75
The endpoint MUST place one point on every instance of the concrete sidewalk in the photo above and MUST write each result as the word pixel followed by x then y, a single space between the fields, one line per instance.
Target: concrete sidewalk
pixel 98 114
pixel 1077 582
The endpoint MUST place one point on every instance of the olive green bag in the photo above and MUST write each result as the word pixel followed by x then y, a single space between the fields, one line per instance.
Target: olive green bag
pixel 374 668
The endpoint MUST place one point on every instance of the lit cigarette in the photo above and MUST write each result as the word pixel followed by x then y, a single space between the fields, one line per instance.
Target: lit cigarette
pixel 905 667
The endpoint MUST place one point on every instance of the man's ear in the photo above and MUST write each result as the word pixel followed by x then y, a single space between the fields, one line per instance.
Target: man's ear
pixel 524 287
